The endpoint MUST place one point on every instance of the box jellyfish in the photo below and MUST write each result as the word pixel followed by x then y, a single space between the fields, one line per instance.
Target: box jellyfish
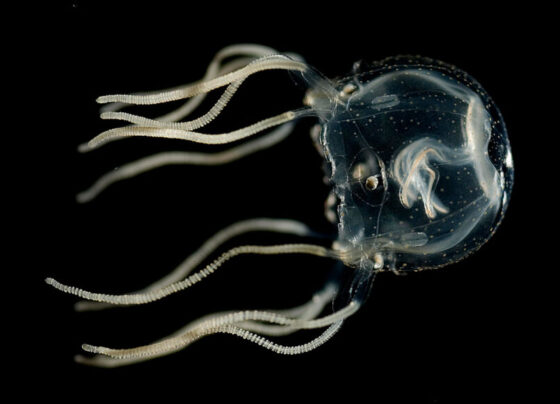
pixel 415 151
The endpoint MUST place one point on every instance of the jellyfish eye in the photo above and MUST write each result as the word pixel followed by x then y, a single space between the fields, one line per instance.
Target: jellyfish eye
pixel 372 181
pixel 348 90
pixel 367 180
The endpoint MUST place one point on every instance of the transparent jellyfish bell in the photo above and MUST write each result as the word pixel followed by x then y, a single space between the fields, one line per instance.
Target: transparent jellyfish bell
pixel 419 160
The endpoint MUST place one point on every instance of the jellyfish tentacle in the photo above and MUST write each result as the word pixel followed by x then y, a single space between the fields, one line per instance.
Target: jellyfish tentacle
pixel 234 79
pixel 191 262
pixel 227 324
pixel 166 127
pixel 197 123
pixel 143 298
pixel 189 125
pixel 306 311
pixel 154 161
pixel 192 136
pixel 192 103
pixel 283 349
pixel 250 52
pixel 271 62
pixel 139 353
pixel 291 317
pixel 196 137
pixel 215 69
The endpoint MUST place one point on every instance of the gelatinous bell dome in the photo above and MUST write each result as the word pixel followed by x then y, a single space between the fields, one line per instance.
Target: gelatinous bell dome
pixel 420 161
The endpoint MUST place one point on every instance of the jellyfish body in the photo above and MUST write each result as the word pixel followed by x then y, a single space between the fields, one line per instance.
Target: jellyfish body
pixel 419 161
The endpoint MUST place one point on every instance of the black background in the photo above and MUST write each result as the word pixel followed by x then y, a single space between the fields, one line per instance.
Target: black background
pixel 438 336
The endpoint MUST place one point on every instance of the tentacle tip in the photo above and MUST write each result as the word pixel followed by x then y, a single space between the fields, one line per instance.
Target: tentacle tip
pixel 50 281
pixel 104 99
pixel 84 197
pixel 95 361
pixel 91 348
pixel 86 305
pixel 81 306
pixel 84 148
pixel 81 359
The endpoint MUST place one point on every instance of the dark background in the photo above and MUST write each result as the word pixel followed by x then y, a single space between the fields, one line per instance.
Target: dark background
pixel 449 335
